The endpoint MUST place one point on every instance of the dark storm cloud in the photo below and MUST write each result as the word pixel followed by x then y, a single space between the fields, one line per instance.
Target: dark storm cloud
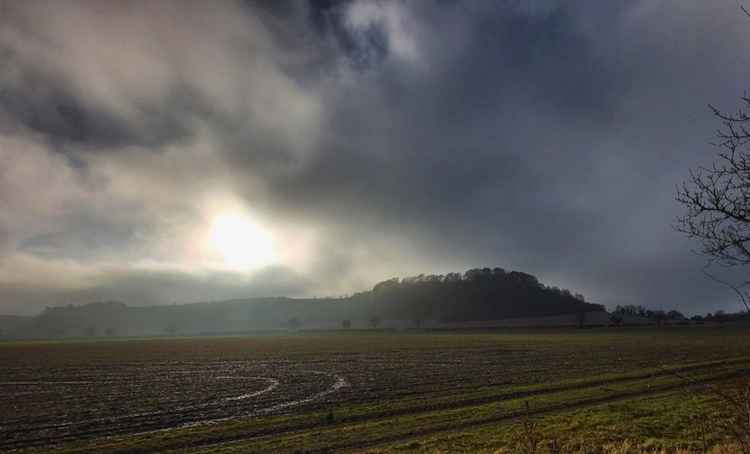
pixel 411 136
pixel 64 117
pixel 522 150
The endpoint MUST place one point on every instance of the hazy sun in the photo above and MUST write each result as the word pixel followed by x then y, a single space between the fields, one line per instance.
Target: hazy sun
pixel 241 242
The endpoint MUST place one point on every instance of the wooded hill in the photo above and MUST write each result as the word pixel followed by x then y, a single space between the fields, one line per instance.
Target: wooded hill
pixel 478 294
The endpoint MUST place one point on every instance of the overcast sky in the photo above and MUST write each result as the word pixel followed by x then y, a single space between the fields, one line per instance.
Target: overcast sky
pixel 160 152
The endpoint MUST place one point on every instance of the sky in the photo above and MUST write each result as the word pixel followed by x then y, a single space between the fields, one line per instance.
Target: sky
pixel 169 152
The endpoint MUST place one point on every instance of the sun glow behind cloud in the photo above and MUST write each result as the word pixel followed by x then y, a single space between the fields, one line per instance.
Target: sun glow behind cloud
pixel 370 144
pixel 242 243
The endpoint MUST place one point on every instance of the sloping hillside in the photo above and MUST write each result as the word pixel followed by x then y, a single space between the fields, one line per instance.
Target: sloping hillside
pixel 476 295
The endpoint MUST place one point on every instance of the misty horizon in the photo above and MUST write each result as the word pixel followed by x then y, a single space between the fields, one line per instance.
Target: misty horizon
pixel 309 149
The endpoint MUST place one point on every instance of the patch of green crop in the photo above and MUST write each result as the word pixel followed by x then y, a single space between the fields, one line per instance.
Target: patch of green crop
pixel 667 420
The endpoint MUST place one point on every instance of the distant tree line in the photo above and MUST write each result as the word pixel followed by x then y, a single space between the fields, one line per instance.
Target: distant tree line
pixel 660 317
pixel 641 311
pixel 721 317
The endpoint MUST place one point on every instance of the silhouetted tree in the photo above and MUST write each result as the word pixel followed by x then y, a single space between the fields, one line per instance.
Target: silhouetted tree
pixel 675 315
pixel 616 319
pixel 630 309
pixel 659 317
pixel 716 198
pixel 346 324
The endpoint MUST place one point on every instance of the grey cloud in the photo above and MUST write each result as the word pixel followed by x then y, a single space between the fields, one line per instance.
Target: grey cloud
pixel 413 136
pixel 157 287
pixel 59 114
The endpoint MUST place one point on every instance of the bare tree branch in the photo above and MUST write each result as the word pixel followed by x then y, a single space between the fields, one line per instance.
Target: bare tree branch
pixel 716 198
pixel 742 295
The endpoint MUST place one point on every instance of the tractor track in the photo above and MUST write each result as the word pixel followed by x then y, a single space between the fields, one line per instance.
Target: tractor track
pixel 542 411
pixel 442 406
pixel 148 425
